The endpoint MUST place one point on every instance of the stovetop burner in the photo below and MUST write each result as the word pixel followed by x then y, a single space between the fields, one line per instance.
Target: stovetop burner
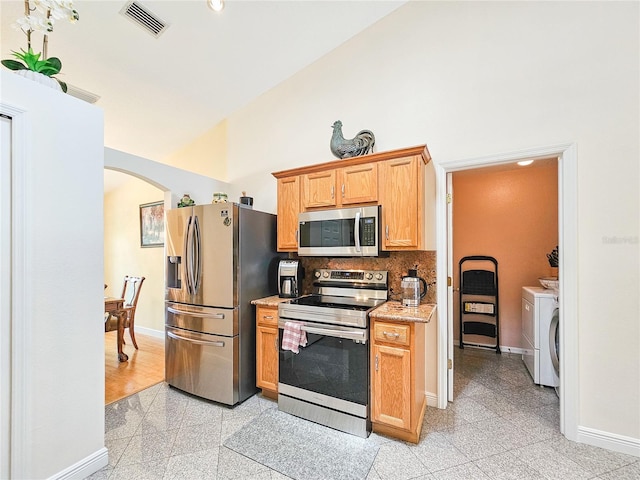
pixel 348 303
pixel 340 297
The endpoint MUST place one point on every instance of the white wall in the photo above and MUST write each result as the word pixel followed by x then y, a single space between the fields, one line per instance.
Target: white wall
pixel 150 181
pixel 123 254
pixel 479 78
pixel 57 291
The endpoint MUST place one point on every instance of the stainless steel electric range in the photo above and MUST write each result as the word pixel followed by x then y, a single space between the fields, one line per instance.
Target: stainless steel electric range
pixel 327 382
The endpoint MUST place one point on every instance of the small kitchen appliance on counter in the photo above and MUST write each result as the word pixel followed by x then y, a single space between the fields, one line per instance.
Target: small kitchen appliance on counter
pixel 290 274
pixel 411 292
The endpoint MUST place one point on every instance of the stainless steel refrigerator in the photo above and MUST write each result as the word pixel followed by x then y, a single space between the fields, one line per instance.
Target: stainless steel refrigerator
pixel 219 258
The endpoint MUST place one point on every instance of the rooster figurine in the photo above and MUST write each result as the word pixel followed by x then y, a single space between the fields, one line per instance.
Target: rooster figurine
pixel 361 144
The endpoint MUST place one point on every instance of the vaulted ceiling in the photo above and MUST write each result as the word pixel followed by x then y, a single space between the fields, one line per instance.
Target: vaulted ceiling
pixel 158 94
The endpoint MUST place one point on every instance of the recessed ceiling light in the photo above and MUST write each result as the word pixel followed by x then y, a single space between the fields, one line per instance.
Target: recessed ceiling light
pixel 216 5
pixel 524 163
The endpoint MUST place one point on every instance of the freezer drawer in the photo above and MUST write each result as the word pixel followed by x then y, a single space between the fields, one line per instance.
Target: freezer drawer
pixel 202 364
pixel 216 321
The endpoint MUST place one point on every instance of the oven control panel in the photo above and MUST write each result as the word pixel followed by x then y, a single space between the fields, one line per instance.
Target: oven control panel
pixel 372 277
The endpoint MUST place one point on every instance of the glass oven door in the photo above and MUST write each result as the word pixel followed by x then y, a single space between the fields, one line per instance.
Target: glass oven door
pixel 331 370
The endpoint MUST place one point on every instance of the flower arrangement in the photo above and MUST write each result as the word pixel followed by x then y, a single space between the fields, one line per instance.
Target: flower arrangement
pixel 553 258
pixel 41 18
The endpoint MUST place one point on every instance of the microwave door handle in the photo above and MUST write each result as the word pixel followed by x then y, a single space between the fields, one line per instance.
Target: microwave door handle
pixel 356 231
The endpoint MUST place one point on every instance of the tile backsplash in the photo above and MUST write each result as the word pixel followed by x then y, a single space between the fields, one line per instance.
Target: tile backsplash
pixel 397 264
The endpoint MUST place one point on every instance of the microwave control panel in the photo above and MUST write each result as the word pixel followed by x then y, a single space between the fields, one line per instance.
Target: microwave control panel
pixel 368 232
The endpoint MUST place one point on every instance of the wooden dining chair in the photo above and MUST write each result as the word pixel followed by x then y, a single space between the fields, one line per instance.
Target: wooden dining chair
pixel 131 292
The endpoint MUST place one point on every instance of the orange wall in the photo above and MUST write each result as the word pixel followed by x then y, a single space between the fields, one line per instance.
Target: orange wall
pixel 512 216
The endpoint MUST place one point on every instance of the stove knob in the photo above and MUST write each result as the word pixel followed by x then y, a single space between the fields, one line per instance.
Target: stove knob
pixel 317 274
pixel 325 274
pixel 369 276
pixel 379 276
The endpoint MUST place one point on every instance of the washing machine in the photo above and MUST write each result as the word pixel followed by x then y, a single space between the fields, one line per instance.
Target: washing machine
pixel 540 319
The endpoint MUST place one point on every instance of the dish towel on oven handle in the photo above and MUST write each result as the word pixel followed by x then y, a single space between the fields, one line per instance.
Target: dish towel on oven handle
pixel 293 337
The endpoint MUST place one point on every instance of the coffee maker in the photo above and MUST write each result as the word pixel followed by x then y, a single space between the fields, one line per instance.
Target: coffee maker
pixel 290 275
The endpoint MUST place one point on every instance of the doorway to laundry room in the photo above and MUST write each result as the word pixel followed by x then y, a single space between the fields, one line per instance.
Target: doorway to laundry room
pixel 505 230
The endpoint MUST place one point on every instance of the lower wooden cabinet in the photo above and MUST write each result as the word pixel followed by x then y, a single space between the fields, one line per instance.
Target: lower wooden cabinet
pixel 267 350
pixel 398 379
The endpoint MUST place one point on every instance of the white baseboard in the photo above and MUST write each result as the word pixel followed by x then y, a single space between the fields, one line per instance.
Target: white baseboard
pixel 84 467
pixel 150 332
pixel 610 441
pixel 514 350
pixel 503 348
pixel 432 399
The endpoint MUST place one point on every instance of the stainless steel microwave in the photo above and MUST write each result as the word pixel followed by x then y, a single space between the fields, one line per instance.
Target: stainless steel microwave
pixel 342 232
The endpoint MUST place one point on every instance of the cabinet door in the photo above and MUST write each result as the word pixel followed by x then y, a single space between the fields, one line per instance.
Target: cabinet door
pixel 288 209
pixel 358 184
pixel 401 200
pixel 267 357
pixel 391 384
pixel 319 189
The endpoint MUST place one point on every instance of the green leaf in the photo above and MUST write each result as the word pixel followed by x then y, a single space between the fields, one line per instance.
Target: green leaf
pixel 14 65
pixel 63 85
pixel 46 70
pixel 55 63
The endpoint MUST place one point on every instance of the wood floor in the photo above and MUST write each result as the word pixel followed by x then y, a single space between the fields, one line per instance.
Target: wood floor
pixel 144 368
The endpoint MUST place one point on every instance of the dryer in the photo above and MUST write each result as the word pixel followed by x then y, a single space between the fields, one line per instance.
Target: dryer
pixel 538 308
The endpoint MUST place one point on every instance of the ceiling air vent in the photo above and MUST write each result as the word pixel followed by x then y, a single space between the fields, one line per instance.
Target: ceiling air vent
pixel 141 15
pixel 82 94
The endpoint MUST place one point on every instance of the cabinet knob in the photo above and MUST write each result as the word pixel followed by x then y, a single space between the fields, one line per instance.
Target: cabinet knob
pixel 267 317
pixel 391 334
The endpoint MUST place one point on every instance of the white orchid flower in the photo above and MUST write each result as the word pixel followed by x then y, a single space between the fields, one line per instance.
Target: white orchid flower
pixel 33 23
pixel 58 9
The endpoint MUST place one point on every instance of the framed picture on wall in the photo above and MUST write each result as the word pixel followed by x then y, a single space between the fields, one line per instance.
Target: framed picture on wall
pixel 152 224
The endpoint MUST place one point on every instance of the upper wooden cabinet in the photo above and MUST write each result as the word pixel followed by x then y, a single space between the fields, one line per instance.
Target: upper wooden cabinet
pixel 393 179
pixel 318 189
pixel 288 209
pixel 401 191
pixel 358 184
pixel 340 187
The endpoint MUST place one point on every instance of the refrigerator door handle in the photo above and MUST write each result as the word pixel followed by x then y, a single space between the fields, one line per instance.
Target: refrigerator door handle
pixel 197 264
pixel 187 244
pixel 190 257
pixel 192 340
pixel 217 316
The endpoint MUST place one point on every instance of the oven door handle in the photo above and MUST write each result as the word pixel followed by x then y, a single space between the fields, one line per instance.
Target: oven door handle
pixel 350 335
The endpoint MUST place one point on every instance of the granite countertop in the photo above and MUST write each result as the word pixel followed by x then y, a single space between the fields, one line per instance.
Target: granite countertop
pixel 394 311
pixel 271 301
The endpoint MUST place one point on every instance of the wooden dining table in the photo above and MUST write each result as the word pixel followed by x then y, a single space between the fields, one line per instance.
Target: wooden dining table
pixel 115 306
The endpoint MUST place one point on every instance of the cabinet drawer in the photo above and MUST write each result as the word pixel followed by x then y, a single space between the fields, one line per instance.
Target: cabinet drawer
pixel 267 316
pixel 392 333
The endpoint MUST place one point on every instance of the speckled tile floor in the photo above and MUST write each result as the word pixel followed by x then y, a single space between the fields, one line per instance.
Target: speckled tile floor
pixel 500 426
